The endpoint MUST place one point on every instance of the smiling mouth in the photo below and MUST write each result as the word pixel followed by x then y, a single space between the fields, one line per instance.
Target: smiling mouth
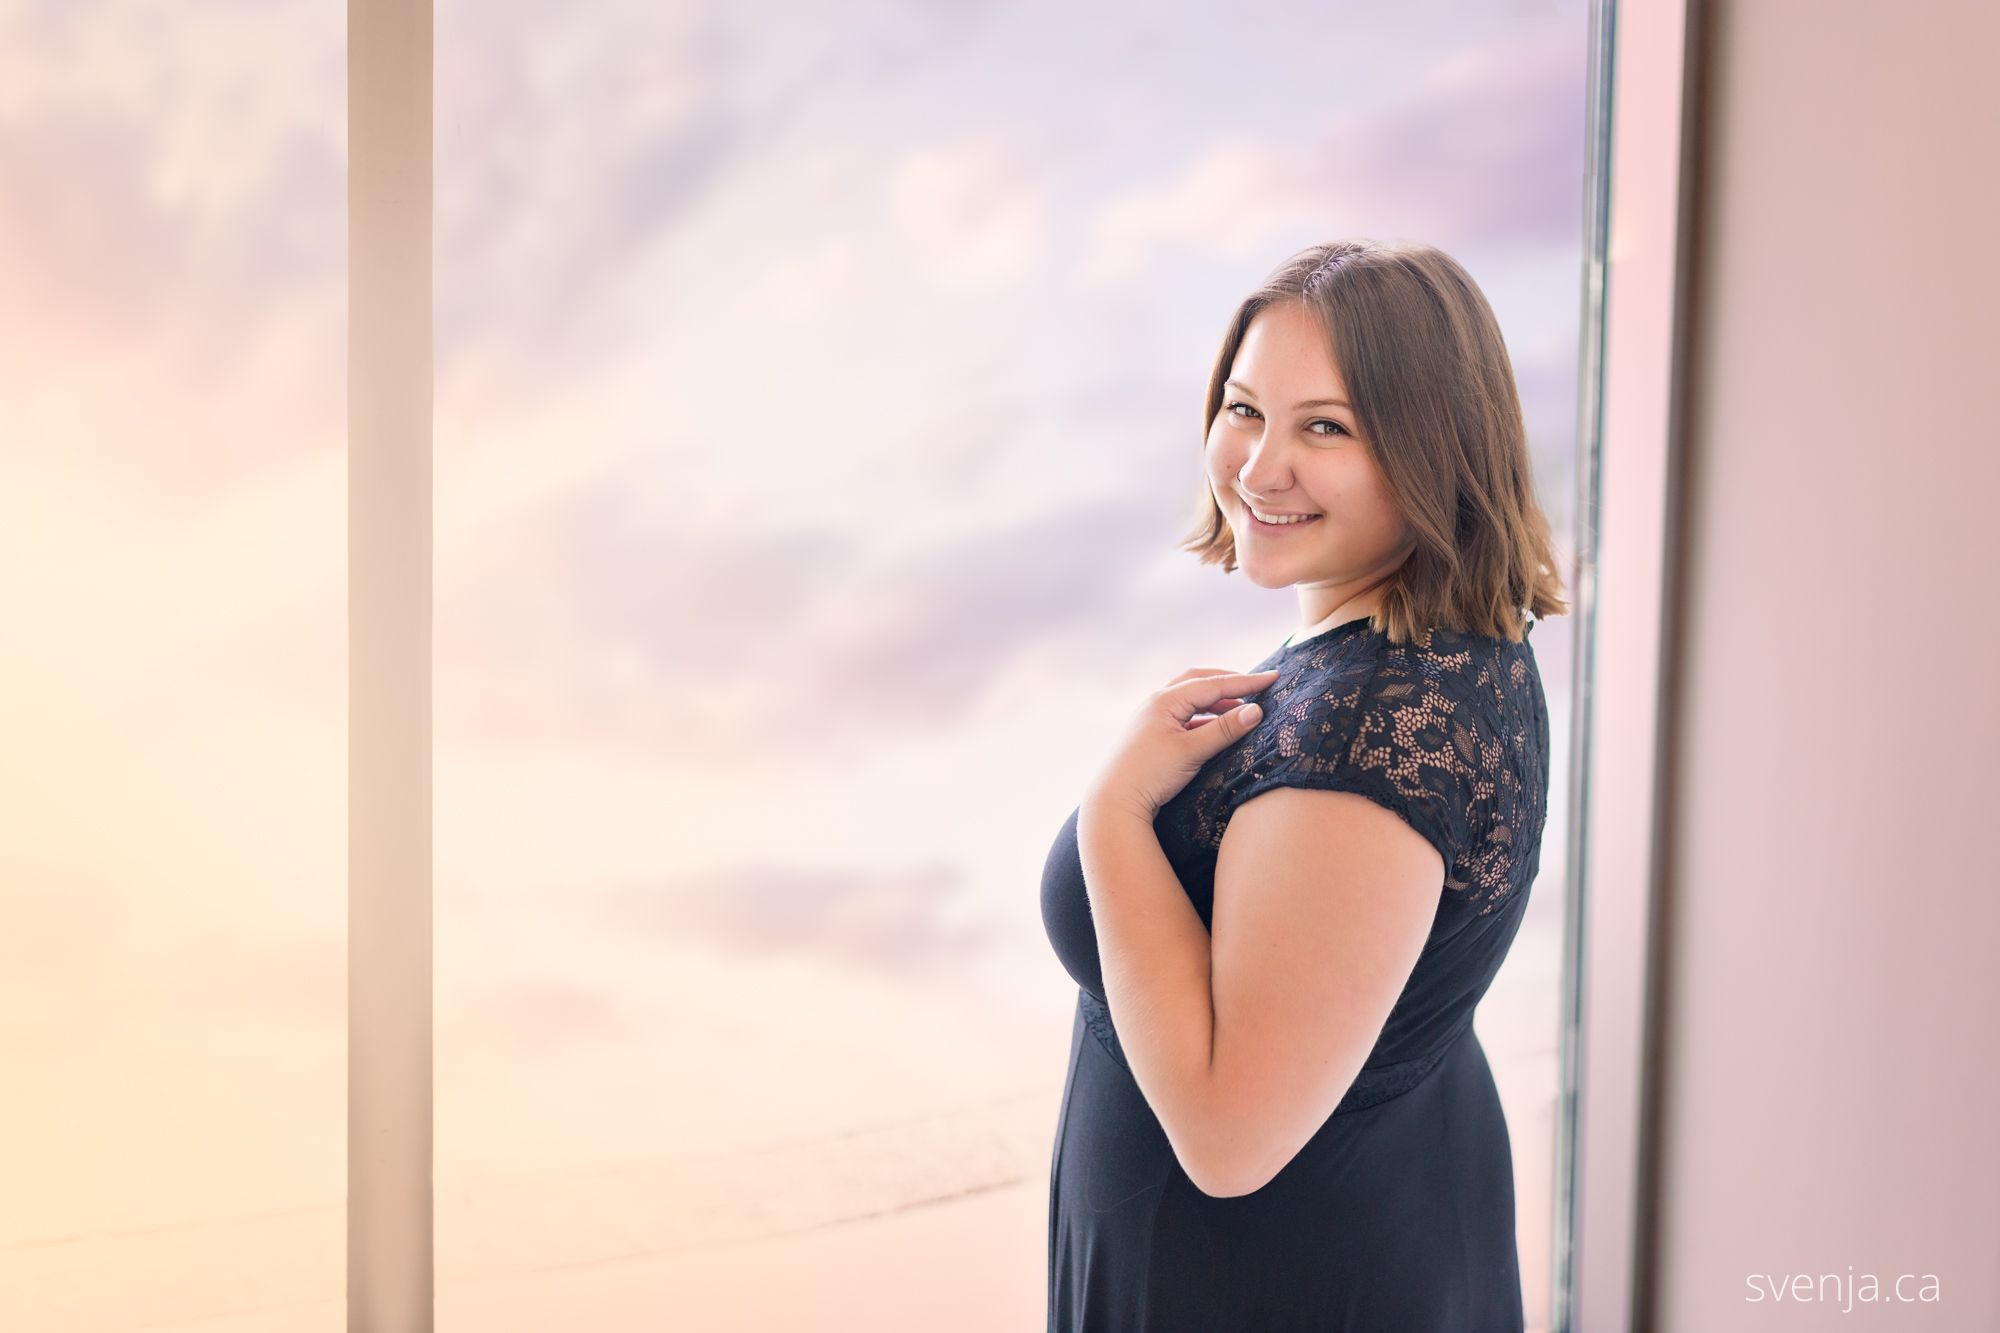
pixel 1282 520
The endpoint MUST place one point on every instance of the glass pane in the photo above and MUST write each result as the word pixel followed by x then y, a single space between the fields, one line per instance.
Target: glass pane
pixel 816 420
pixel 173 670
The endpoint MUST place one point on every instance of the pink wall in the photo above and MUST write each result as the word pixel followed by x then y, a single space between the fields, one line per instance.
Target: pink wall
pixel 1831 1073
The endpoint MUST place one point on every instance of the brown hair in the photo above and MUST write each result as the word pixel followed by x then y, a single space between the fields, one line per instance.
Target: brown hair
pixel 1433 389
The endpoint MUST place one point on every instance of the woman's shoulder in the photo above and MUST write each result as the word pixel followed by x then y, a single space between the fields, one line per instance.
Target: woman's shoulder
pixel 1452 658
pixel 1441 689
pixel 1399 723
pixel 1497 677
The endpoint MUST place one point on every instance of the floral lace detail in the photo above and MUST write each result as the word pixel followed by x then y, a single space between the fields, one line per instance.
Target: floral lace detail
pixel 1449 731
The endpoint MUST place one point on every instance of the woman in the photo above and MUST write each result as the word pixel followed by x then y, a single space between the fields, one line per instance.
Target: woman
pixel 1277 1115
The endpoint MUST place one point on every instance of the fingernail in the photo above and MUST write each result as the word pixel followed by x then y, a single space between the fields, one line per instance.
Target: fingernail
pixel 1251 712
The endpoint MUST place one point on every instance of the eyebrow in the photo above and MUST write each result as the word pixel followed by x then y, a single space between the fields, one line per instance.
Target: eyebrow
pixel 1310 402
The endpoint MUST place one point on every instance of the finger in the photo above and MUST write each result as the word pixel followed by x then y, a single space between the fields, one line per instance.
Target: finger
pixel 1192 672
pixel 1204 677
pixel 1226 728
pixel 1199 694
pixel 1209 714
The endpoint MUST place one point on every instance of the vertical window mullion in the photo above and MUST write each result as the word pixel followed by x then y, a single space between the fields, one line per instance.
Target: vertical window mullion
pixel 1627 548
pixel 390 1285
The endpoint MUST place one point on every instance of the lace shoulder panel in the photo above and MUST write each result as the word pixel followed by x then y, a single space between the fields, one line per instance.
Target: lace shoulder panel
pixel 1398 726
pixel 1450 733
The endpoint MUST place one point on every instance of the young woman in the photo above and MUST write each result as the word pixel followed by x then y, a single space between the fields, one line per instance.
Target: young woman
pixel 1281 914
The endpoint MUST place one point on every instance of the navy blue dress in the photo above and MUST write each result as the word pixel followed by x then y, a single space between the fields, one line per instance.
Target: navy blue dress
pixel 1398 1214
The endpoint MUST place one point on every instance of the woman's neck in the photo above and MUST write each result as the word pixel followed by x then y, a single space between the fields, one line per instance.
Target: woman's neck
pixel 1340 615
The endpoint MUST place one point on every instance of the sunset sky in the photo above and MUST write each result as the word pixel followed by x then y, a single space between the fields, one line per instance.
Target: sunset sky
pixel 817 412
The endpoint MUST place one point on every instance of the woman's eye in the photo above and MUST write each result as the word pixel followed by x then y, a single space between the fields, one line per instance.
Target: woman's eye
pixel 1338 429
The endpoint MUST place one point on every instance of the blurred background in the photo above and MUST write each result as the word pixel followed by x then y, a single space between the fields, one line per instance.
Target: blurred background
pixel 817 410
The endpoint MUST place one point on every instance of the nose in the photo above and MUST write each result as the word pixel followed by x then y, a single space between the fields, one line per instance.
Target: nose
pixel 1263 473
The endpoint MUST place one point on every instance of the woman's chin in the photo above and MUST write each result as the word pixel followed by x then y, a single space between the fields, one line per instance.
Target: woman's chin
pixel 1264 573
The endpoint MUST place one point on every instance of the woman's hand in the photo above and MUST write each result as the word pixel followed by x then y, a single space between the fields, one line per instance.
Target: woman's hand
pixel 1195 716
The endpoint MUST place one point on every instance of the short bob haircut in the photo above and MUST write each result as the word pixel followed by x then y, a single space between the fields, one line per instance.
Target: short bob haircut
pixel 1433 390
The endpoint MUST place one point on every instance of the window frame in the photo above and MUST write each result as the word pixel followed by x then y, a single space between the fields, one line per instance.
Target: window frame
pixel 1641 131
pixel 390 1247
pixel 1642 138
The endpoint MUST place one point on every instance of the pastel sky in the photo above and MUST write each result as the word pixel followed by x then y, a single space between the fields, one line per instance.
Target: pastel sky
pixel 817 412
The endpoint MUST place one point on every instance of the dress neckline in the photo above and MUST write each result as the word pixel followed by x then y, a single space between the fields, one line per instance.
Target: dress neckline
pixel 1345 626
pixel 1331 632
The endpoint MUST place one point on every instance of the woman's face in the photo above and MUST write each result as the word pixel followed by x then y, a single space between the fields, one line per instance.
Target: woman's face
pixel 1285 442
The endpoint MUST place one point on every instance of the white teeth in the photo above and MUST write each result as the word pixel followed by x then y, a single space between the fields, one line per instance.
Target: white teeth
pixel 1275 520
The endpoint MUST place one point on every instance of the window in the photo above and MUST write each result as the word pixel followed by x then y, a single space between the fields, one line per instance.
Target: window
pixel 809 402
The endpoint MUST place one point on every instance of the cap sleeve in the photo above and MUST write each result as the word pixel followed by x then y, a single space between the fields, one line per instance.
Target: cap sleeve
pixel 1398 733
